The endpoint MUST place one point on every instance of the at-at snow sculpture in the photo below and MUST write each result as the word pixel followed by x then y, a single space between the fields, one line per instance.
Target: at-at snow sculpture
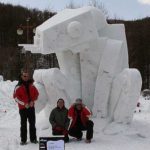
pixel 93 60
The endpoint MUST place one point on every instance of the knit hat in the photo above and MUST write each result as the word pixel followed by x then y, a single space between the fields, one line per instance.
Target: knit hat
pixel 60 99
pixel 78 101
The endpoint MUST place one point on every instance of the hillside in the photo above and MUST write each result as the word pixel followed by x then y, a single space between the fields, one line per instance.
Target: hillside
pixel 11 58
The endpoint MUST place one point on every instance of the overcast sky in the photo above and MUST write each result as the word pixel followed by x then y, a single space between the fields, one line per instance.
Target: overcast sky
pixel 122 9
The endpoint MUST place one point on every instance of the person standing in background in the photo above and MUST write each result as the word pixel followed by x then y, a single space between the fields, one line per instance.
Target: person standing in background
pixel 25 94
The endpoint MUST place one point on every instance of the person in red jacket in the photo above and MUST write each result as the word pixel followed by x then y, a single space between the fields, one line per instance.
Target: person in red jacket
pixel 79 114
pixel 25 94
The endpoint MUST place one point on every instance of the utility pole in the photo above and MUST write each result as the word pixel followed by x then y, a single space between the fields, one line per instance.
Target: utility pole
pixel 27 56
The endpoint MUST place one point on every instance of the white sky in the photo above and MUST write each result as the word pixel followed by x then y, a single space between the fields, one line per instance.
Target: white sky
pixel 122 9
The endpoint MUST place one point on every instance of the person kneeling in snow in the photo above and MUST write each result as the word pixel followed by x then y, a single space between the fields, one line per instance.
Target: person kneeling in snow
pixel 79 113
pixel 59 120
pixel 25 94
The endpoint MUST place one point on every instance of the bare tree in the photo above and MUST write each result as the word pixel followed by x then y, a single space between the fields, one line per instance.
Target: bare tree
pixel 99 5
pixel 72 5
pixel 94 3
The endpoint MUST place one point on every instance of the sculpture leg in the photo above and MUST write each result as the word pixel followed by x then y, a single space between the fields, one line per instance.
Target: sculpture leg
pixel 55 85
pixel 124 96
pixel 110 66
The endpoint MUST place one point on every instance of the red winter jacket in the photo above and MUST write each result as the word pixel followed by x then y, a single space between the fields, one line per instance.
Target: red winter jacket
pixel 85 114
pixel 21 97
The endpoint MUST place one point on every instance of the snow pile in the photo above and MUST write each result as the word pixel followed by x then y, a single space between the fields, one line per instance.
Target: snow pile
pixel 6 97
pixel 7 88
pixel 144 105
pixel 1 78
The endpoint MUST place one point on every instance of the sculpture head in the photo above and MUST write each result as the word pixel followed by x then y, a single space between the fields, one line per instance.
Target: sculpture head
pixel 68 29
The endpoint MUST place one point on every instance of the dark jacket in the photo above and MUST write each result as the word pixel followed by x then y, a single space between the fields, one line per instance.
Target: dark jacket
pixel 59 118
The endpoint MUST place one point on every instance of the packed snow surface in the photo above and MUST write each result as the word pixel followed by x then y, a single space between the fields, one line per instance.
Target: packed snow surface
pixel 135 136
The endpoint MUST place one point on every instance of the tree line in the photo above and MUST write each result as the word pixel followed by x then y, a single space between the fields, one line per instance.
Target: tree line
pixel 12 58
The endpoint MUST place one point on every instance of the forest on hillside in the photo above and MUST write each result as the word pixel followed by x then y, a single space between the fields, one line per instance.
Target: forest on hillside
pixel 13 58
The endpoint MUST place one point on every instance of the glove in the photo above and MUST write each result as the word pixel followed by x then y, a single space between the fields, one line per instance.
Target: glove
pixel 65 132
pixel 27 106
pixel 31 104
pixel 58 128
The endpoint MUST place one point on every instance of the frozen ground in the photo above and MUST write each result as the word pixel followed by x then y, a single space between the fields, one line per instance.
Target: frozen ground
pixel 113 137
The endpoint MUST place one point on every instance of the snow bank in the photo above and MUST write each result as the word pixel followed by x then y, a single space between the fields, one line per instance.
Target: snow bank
pixel 1 78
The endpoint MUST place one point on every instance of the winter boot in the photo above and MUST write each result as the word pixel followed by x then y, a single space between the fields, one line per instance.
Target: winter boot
pixel 23 143
pixel 88 141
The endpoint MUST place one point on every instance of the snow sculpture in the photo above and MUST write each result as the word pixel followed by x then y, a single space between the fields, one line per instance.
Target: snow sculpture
pixel 92 56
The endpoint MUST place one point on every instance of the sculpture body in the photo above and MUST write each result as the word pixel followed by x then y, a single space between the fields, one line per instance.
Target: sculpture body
pixel 92 56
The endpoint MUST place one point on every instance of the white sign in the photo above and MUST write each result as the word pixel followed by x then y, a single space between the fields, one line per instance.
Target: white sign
pixel 56 145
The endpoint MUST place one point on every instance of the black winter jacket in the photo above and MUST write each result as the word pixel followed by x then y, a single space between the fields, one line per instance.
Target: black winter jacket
pixel 59 117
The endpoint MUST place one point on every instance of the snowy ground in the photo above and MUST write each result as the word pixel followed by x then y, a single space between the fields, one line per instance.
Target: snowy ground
pixel 113 137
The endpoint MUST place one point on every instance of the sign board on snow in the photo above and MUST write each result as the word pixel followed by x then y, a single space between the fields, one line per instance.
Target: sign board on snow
pixel 55 145
pixel 51 143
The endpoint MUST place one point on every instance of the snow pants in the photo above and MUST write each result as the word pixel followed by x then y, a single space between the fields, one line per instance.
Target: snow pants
pixel 77 131
pixel 27 114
